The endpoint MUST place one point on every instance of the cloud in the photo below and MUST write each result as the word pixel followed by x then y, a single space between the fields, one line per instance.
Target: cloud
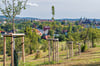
pixel 0 2
pixel 32 4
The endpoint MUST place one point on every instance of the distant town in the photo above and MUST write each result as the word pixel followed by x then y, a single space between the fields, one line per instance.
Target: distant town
pixel 4 19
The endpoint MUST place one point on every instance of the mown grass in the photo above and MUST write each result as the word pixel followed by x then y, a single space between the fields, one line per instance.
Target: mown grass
pixel 87 58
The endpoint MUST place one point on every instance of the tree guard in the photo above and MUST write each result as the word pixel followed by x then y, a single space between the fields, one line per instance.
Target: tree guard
pixel 55 50
pixel 79 48
pixel 12 48
pixel 70 47
pixel 67 51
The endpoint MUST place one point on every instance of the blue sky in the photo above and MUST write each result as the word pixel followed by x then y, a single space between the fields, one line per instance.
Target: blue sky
pixel 63 8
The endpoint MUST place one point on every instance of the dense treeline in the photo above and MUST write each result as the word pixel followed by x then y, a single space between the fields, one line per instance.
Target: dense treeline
pixel 66 32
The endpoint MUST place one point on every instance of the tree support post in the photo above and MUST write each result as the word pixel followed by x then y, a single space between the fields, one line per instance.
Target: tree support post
pixel 49 50
pixel 53 51
pixel 72 49
pixel 70 46
pixel 12 47
pixel 67 51
pixel 58 51
pixel 79 48
pixel 12 52
pixel 23 52
pixel 4 52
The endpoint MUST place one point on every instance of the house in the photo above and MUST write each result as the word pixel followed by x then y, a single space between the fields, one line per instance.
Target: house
pixel 46 29
pixel 45 36
pixel 37 31
pixel 40 30
pixel 45 20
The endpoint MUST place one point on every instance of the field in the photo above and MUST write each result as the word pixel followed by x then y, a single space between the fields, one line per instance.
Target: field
pixel 88 58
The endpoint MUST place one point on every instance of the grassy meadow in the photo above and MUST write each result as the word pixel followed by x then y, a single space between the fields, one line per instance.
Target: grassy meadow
pixel 88 58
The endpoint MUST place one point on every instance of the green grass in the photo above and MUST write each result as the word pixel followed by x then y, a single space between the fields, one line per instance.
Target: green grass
pixel 97 45
pixel 89 57
pixel 95 60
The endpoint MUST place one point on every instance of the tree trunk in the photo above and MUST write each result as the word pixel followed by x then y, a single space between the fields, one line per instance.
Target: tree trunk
pixel 15 58
pixel 13 19
pixel 13 25
pixel 92 42
pixel 84 42
pixel 30 51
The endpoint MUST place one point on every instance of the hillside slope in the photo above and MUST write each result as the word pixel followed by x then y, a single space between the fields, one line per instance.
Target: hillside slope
pixel 89 58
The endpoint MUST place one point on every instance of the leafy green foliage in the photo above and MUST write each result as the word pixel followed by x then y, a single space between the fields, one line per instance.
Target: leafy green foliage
pixel 7 27
pixel 44 45
pixel 38 54
pixel 32 38
pixel 51 32
pixel 40 26
pixel 12 9
pixel 53 12
pixel 61 37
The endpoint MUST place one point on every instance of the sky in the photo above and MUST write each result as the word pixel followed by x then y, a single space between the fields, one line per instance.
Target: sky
pixel 63 9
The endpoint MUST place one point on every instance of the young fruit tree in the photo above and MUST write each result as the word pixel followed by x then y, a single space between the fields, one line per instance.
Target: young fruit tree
pixel 12 8
pixel 53 12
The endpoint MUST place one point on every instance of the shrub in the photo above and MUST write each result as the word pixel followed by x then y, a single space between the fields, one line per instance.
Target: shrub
pixel 94 45
pixel 47 63
pixel 61 37
pixel 9 53
pixel 27 50
pixel 38 54
pixel 44 45
pixel 62 47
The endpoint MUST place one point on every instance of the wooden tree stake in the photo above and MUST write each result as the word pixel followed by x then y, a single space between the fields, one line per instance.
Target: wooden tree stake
pixel 49 50
pixel 12 52
pixel 4 58
pixel 23 53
